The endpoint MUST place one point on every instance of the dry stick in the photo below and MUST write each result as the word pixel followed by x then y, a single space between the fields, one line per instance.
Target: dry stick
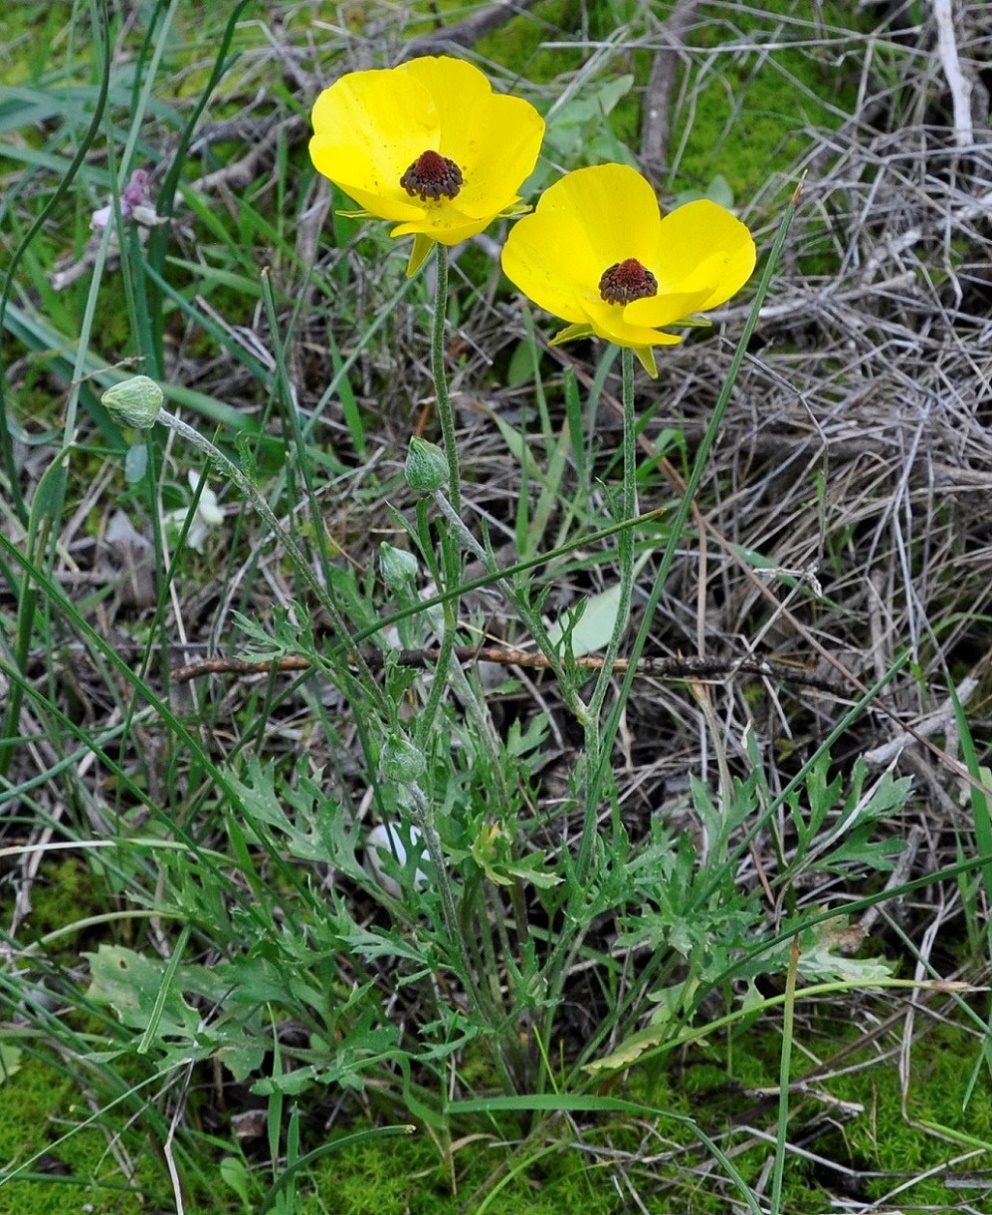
pixel 660 668
pixel 242 172
pixel 656 128
pixel 468 32
pixel 957 82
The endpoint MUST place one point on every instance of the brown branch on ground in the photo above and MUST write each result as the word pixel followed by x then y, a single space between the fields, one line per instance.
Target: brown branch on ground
pixel 468 32
pixel 242 172
pixel 690 668
pixel 655 121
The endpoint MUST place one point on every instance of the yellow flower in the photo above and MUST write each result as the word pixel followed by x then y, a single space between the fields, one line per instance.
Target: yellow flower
pixel 428 145
pixel 598 253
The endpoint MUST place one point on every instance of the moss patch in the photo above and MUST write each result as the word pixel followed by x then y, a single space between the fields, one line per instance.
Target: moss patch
pixel 67 1160
pixel 874 1150
pixel 748 111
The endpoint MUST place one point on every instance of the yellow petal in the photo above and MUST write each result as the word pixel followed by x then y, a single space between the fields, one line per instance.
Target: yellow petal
pixel 703 248
pixel 369 127
pixel 378 204
pixel 666 308
pixel 455 86
pixel 496 149
pixel 616 207
pixel 586 222
pixel 494 139
pixel 610 322
pixel 443 223
pixel 548 257
pixel 594 218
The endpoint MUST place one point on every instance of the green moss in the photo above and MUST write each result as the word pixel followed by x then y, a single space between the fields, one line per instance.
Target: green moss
pixel 392 1177
pixel 67 1163
pixel 517 46
pixel 66 891
pixel 879 1146
pixel 383 1176
pixel 751 109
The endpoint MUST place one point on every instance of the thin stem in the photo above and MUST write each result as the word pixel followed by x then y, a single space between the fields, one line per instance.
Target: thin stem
pixel 442 668
pixel 475 707
pixel 450 553
pixel 625 541
pixel 422 815
pixel 476 982
pixel 784 1074
pixel 444 410
pixel 597 745
pixel 695 477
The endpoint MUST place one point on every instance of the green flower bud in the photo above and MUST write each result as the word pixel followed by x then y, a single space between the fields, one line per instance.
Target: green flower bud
pixel 426 467
pixel 399 568
pixel 401 761
pixel 136 402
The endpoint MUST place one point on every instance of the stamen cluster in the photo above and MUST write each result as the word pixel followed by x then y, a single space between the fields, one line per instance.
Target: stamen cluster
pixel 432 176
pixel 627 281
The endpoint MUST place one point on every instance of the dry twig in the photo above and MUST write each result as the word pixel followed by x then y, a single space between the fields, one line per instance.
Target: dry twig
pixel 661 668
pixel 656 120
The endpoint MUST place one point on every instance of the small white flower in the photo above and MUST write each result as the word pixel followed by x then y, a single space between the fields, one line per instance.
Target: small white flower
pixel 208 514
pixel 135 200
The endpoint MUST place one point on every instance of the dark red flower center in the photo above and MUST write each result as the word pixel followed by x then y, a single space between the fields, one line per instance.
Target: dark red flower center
pixel 627 281
pixel 432 176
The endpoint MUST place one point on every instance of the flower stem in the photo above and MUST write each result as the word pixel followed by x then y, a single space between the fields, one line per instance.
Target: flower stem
pixel 444 410
pixel 625 540
pixel 596 761
pixel 423 816
pixel 599 743
pixel 473 976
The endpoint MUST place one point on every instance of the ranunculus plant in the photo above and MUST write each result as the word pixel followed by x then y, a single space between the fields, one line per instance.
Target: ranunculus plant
pixel 428 145
pixel 598 253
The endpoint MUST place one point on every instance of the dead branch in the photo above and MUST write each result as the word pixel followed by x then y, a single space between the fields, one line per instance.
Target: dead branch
pixel 655 123
pixel 689 668
pixel 468 32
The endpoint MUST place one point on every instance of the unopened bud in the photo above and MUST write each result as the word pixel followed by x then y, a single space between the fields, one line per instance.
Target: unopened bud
pixel 399 568
pixel 426 468
pixel 136 402
pixel 402 761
